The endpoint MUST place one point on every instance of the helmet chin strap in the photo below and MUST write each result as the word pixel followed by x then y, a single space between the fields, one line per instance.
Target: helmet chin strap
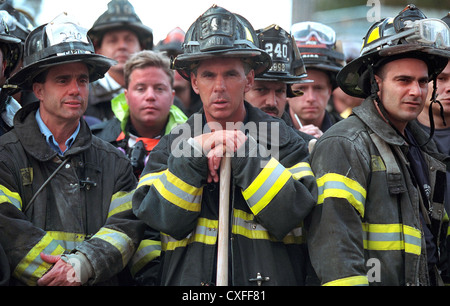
pixel 374 96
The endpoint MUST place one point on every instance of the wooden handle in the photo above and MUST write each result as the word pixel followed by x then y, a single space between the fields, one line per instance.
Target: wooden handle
pixel 224 222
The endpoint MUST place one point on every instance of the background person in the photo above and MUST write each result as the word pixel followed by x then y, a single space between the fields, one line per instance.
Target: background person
pixel 118 33
pixel 323 60
pixel 145 111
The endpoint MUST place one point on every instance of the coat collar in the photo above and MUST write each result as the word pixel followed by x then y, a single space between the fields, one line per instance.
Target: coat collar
pixel 34 143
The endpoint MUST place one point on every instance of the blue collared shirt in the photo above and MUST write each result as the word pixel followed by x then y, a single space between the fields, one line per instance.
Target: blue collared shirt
pixel 51 139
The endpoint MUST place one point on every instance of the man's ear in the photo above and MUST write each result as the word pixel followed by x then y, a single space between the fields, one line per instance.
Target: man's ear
pixel 38 90
pixel 194 83
pixel 250 80
pixel 379 82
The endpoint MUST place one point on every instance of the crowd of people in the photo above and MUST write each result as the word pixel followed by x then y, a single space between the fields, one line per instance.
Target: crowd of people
pixel 112 148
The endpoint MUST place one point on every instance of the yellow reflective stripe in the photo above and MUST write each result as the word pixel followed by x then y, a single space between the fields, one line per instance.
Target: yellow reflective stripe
pixel 392 237
pixel 117 239
pixel 7 195
pixel 245 225
pixel 349 281
pixel 178 192
pixel 301 170
pixel 69 241
pixel 121 201
pixel 146 252
pixel 333 185
pixel 205 232
pixel 148 179
pixel 413 239
pixel 266 186
pixel 32 267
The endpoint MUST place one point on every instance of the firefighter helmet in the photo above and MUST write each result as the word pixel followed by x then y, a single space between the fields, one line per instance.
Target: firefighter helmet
pixel 409 34
pixel 319 48
pixel 10 44
pixel 220 33
pixel 121 14
pixel 61 41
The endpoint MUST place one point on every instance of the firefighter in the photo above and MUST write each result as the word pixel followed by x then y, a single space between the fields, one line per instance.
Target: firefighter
pixel 271 90
pixel 323 58
pixel 380 215
pixel 271 192
pixel 65 218
pixel 117 33
pixel 145 111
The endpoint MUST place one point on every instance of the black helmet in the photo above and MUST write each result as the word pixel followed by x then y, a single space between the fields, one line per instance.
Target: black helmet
pixel 409 34
pixel 446 19
pixel 220 33
pixel 19 24
pixel 10 45
pixel 121 14
pixel 319 48
pixel 58 42
pixel 287 63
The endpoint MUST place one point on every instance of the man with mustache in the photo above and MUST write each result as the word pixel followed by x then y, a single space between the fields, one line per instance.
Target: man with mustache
pixel 271 90
pixel 380 218
pixel 118 33
pixel 145 111
pixel 64 215
pixel 270 192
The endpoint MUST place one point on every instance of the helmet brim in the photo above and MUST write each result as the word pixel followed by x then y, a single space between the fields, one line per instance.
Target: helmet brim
pixel 353 77
pixel 261 61
pixel 98 65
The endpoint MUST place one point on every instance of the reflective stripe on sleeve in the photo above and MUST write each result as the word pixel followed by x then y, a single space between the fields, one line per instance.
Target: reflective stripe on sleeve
pixel 349 281
pixel 392 237
pixel 7 195
pixel 178 192
pixel 121 201
pixel 119 240
pixel 147 251
pixel 32 267
pixel 333 185
pixel 148 179
pixel 301 170
pixel 245 225
pixel 205 232
pixel 266 186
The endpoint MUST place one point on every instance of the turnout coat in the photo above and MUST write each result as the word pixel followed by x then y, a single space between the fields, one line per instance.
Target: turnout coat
pixel 366 228
pixel 82 208
pixel 270 197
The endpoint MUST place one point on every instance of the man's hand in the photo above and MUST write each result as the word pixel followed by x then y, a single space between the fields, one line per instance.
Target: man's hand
pixel 61 274
pixel 312 130
pixel 216 145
